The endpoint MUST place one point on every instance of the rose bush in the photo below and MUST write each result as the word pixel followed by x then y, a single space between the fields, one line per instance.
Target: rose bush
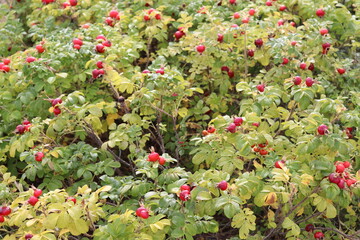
pixel 179 119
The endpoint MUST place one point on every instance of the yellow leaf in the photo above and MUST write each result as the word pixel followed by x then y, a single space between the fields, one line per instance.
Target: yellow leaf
pixel 110 118
pixel 55 154
pixel 271 198
pixel 183 112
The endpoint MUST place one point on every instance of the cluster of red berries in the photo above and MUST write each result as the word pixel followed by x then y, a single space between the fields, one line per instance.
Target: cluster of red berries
pixel 96 73
pixel 142 212
pixel 55 104
pixel 179 33
pixel 77 43
pixel 260 148
pixel 308 81
pixel 185 192
pixel 4 211
pixel 152 13
pixel 341 176
pixel 24 127
pixel 155 157
pixel 230 73
pixel 208 131
pixel 35 197
pixel 238 121
pixel 100 48
pixel 4 65
pixel 71 3
pixel 113 17
pixel 317 235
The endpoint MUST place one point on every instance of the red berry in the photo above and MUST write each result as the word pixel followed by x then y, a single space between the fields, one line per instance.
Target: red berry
pixel 158 16
pixel 320 12
pixel 340 168
pixel 184 195
pixel 107 43
pixel 73 2
pixel 153 157
pixel 26 122
pixel 309 81
pixel 99 64
pixel 71 199
pixel 2 219
pixel 263 152
pixel 297 80
pixel 285 61
pixel 30 59
pixel 245 20
pixel 236 15
pixel 6 61
pixel 279 164
pixel 268 3
pixel 101 37
pixel 178 34
pixel 109 21
pixel 319 235
pixel 341 183
pixel 282 8
pixel 78 47
pixel 333 178
pixel 256 124
pixel 204 133
pixel 350 182
pixel 146 18
pixel 160 71
pixel 185 187
pixel 57 111
pixel 231 128
pixel 231 74
pixel 5 211
pixel 259 42
pixel 33 200
pixel 293 43
pixel 322 129
pixel 162 160
pixel 56 101
pixel 280 22
pixel 65 5
pixel 6 68
pixel 138 211
pixel 28 236
pixel 309 228
pixel 250 53
pixel 77 41
pixel 238 121
pixel 200 48
pixel 225 69
pixel 211 129
pixel 256 149
pixel 323 31
pixel 37 192
pixel 293 24
pixel 232 1
pixel 341 71
pixel 311 67
pixel 303 66
pixel 113 14
pixel 100 48
pixel 220 38
pixel 346 164
pixel 144 214
pixel 260 87
pixel 262 145
pixel 39 156
pixel 20 129
pixel 252 12
pixel 40 48
pixel 223 185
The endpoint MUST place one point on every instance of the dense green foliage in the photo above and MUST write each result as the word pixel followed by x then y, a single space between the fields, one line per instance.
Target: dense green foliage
pixel 174 77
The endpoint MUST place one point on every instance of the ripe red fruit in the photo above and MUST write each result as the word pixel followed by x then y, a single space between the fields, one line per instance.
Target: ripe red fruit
pixel 231 74
pixel 65 5
pixel 6 61
pixel 252 12
pixel 138 211
pixel 20 129
pixel 346 164
pixel 86 26
pixel 323 31
pixel 236 15
pixel 113 14
pixel 100 48
pixel 77 41
pixel 26 122
pixel 350 182
pixel 256 149
pixel 326 48
pixel 95 73
pixel 200 48
pixel 297 80
pixel 142 213
pixel 280 22
pixel 340 168
pixel 39 156
pixel 319 235
pixel 28 236
pixel 33 200
pixel 256 124
pixel 146 18
pixel 341 71
pixel 211 129
pixel 245 20
pixel 293 43
pixel 311 67
pixel 150 10
pixel 101 72
pixel 263 152
pixel 37 192
pixel 285 61
pixel 309 81
pixel 322 129
pixel 78 47
pixel 6 68
pixel 158 16
pixel 238 121
pixel 30 59
pixel 279 164
pixel 107 43
pixel 262 145
pixel 57 111
pixel 309 228
pixel 225 69
pixel 185 187
pixel 178 34
pixel 109 21
pixel 293 24
pixel 146 71
pixel 282 8
pixel 2 219
pixel 153 157
pixel 5 211
pixel 99 64
pixel 204 133
pixel 161 71
pixel 101 37
pixel 162 160
pixel 220 38
pixel 223 185
pixel 231 128
pixel 268 3
pixel 260 87
pixel 71 199
pixel 40 48
pixel 303 66
pixel 232 1
pixel 184 195
pixel 333 178
pixel 56 101
pixel 341 183
pixel 258 43
pixel 320 12
pixel 73 2
pixel 250 53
